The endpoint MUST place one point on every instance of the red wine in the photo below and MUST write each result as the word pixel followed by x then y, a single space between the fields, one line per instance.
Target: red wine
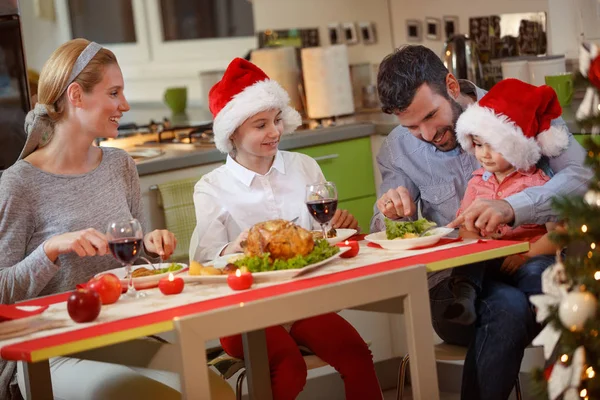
pixel 322 210
pixel 125 250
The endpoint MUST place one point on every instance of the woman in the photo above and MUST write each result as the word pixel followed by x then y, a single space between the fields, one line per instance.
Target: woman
pixel 57 201
pixel 258 183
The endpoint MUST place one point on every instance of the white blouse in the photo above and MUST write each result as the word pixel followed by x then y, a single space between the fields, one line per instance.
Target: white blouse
pixel 232 198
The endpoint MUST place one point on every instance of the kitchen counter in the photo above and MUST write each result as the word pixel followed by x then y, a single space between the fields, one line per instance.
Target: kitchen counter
pixel 176 156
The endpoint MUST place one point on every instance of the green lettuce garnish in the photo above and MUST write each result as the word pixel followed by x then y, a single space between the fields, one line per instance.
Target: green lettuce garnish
pixel 397 229
pixel 171 268
pixel 322 251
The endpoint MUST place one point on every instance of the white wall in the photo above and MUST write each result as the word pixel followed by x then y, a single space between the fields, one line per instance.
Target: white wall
pixel 284 14
pixel 464 9
pixel 40 37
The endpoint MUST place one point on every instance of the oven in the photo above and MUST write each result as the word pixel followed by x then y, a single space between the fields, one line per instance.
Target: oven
pixel 14 87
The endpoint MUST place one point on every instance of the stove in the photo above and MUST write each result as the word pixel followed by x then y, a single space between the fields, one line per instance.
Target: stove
pixel 166 132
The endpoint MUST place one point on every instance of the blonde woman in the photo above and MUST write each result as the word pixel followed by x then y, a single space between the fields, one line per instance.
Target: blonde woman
pixel 56 201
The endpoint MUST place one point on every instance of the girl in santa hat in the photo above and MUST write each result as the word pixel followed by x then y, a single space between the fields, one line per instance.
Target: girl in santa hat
pixel 508 130
pixel 257 183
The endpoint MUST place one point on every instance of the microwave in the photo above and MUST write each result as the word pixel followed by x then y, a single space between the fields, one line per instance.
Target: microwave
pixel 14 86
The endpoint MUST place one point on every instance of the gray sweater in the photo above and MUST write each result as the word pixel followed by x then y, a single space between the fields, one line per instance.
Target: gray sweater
pixel 36 205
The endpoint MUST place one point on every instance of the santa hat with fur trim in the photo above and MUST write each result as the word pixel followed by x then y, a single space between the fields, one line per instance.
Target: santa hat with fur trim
pixel 244 91
pixel 514 119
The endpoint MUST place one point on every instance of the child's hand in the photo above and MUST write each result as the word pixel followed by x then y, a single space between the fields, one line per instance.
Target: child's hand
pixel 511 264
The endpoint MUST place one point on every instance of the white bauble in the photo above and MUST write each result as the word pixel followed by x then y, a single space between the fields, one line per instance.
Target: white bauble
pixel 592 198
pixel 576 308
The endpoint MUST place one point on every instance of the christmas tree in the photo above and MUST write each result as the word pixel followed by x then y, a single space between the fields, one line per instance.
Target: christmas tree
pixel 569 306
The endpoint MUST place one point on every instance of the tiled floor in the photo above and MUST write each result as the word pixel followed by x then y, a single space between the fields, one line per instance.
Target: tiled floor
pixel 391 395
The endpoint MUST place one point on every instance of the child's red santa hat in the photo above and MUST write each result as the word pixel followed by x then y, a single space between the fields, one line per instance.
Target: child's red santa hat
pixel 244 91
pixel 514 119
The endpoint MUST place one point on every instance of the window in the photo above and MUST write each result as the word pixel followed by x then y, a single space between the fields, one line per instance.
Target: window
pixel 90 18
pixel 204 19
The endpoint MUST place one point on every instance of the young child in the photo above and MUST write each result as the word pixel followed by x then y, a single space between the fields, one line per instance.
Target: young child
pixel 509 130
pixel 257 183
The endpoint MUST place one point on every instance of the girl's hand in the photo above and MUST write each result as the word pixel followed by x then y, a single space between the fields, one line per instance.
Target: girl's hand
pixel 161 242
pixel 343 219
pixel 88 242
pixel 237 246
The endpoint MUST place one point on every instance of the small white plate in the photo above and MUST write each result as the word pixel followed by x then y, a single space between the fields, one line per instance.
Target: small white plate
pixel 380 238
pixel 341 234
pixel 269 276
pixel 143 282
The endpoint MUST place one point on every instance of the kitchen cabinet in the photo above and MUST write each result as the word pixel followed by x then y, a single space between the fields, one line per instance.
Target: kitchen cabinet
pixel 149 34
pixel 349 164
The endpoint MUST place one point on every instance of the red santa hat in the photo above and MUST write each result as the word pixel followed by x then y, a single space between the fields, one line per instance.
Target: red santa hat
pixel 244 91
pixel 514 119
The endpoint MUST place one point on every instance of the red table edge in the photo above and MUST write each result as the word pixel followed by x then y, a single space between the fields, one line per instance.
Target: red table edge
pixel 129 328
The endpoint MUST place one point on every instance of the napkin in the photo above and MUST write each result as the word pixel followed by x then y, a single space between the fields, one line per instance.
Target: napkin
pixel 9 312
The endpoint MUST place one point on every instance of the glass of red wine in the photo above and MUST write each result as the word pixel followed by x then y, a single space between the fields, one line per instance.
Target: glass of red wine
pixel 321 200
pixel 125 242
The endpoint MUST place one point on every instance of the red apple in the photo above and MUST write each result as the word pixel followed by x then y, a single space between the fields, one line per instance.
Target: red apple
pixel 84 305
pixel 108 286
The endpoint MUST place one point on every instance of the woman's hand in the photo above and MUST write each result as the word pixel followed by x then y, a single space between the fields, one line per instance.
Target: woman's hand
pixel 88 242
pixel 343 219
pixel 161 242
pixel 236 245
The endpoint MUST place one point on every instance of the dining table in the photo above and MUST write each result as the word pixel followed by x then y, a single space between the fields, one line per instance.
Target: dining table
pixel 374 280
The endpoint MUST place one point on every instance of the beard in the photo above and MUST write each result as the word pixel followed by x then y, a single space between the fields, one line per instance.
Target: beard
pixel 450 142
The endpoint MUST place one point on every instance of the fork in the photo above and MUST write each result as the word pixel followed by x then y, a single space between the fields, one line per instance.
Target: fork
pixel 149 263
pixel 427 230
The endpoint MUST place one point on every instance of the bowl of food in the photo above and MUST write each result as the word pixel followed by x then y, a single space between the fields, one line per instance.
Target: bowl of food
pixel 406 235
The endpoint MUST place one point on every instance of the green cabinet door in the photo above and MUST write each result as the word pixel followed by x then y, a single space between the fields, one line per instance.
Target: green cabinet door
pixel 362 209
pixel 581 138
pixel 349 164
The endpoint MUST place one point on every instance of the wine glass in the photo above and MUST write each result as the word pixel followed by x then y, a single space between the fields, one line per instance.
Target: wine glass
pixel 125 242
pixel 321 200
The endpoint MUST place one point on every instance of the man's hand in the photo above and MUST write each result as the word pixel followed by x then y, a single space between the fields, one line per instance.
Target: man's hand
pixel 396 203
pixel 484 216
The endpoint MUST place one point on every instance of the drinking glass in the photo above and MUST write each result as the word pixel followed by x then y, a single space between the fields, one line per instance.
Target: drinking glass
pixel 321 200
pixel 125 242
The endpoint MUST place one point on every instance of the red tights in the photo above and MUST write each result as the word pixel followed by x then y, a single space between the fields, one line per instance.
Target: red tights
pixel 328 336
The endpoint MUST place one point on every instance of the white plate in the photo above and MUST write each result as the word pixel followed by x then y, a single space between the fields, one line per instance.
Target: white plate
pixel 270 276
pixel 341 234
pixel 380 238
pixel 143 282
pixel 20 324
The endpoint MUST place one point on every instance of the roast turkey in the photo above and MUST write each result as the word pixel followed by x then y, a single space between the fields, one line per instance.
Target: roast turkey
pixel 282 239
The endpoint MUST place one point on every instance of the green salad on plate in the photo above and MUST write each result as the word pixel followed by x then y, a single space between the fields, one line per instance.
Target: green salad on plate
pixel 407 229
